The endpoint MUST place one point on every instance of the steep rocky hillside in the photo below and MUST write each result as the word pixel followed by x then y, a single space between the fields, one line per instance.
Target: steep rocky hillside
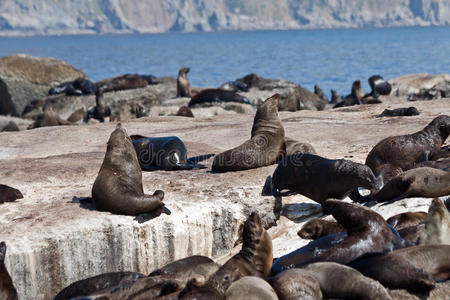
pixel 28 17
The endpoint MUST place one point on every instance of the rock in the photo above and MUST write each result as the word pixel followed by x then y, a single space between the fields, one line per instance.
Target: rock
pixel 24 78
pixel 421 86
pixel 22 124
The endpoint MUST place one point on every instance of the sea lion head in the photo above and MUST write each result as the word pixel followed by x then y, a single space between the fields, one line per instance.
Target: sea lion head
pixel 118 137
pixel 183 71
pixel 269 106
pixel 442 123
pixel 311 230
pixel 360 174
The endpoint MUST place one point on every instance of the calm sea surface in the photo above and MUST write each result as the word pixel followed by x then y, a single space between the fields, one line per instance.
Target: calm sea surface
pixel 331 58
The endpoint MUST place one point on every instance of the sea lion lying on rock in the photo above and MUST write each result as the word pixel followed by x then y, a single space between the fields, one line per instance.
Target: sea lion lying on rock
pixel 9 194
pixel 78 87
pixel 296 284
pixel 250 288
pixel 48 118
pixel 317 228
pixel 211 96
pixel 10 126
pixel 118 186
pixel 7 289
pixel 407 219
pixel 122 82
pixel 234 86
pixel 400 112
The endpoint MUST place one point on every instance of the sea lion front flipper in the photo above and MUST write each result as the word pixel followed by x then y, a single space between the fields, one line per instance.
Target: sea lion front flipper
pixel 197 159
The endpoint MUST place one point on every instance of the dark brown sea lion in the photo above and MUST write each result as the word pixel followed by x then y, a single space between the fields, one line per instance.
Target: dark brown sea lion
pixel 9 194
pixel 443 164
pixel 354 98
pixel 7 289
pixel 444 152
pixel 407 219
pixel 335 97
pixel 10 126
pixel 367 232
pixel 118 186
pixel 296 284
pixel 185 111
pixel 400 112
pixel 265 146
pixel 48 118
pixel 419 182
pixel 100 111
pixel 379 86
pixel 80 86
pixel 317 228
pixel 254 259
pixel 122 82
pixel 97 283
pixel 211 96
pixel 318 91
pixel 342 282
pixel 184 265
pixel 76 115
pixel 250 288
pixel 293 146
pixel 437 225
pixel 411 233
pixel 413 268
pixel 319 178
pixel 183 87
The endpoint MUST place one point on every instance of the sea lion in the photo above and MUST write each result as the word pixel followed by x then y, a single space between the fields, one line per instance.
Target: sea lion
pixel 411 233
pixel 367 232
pixel 320 178
pixel 162 153
pixel 265 146
pixel 211 96
pixel 444 152
pixel 400 112
pixel 379 86
pixel 407 219
pixel 190 263
pixel 354 98
pixel 437 225
pixel 9 194
pixel 403 150
pixel 442 164
pixel 118 186
pixel 317 228
pixel 48 118
pixel 250 288
pixel 412 268
pixel 318 91
pixel 100 111
pixel 10 126
pixel 78 87
pixel 76 115
pixel 342 282
pixel 7 289
pixel 296 284
pixel 234 86
pixel 419 182
pixel 185 111
pixel 293 147
pixel 335 97
pixel 97 283
pixel 183 87
pixel 122 82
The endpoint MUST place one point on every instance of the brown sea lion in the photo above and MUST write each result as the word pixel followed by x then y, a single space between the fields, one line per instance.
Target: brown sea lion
pixel 407 219
pixel 250 288
pixel 185 111
pixel 183 87
pixel 265 146
pixel 118 186
pixel 318 91
pixel 209 97
pixel 419 182
pixel 444 152
pixel 411 233
pixel 400 112
pixel 342 282
pixel 190 263
pixel 367 232
pixel 413 268
pixel 437 225
pixel 317 228
pixel 443 164
pixel 354 98
pixel 379 86
pixel 48 118
pixel 76 115
pixel 296 284
pixel 100 111
pixel 122 82
pixel 9 194
pixel 335 97
pixel 293 146
pixel 7 289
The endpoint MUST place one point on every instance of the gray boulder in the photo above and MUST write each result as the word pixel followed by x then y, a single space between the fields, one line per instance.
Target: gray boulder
pixel 421 86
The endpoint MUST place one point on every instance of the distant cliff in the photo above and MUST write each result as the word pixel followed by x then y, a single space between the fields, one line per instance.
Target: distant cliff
pixel 30 17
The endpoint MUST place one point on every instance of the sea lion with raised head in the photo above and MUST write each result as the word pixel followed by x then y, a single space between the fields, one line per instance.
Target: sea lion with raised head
pixel 7 289
pixel 317 228
pixel 250 288
pixel 183 86
pixel 100 111
pixel 400 112
pixel 211 96
pixel 9 194
pixel 354 98
pixel 437 225
pixel 407 219
pixel 48 118
pixel 335 97
pixel 118 186
pixel 295 284
pixel 265 146
pixel 293 147
pixel 121 82
pixel 318 91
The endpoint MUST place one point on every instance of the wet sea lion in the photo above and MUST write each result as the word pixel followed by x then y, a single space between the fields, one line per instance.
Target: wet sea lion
pixel 250 288
pixel 265 146
pixel 320 178
pixel 78 87
pixel 293 146
pixel 318 91
pixel 296 284
pixel 400 112
pixel 211 96
pixel 100 111
pixel 48 118
pixel 162 153
pixel 122 82
pixel 9 194
pixel 407 219
pixel 10 126
pixel 118 186
pixel 317 228
pixel 342 282
pixel 234 86
pixel 185 111
pixel 437 225
pixel 7 289
pixel 183 87
pixel 367 232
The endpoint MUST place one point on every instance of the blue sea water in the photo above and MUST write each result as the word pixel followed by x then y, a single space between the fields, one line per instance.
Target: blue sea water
pixel 333 59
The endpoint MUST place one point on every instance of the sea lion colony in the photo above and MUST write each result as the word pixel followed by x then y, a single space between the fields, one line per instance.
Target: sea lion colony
pixel 358 256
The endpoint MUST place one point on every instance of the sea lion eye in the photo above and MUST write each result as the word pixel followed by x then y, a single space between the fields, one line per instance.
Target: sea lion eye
pixel 226 278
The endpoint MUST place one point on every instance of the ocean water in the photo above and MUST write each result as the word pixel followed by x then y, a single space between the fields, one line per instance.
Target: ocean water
pixel 333 59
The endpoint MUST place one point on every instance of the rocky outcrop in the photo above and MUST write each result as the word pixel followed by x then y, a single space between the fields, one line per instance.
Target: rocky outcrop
pixel 421 86
pixel 24 78
pixel 25 17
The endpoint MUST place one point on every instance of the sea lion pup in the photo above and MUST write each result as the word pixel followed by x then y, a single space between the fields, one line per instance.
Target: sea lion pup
pixel 48 118
pixel 265 146
pixel 183 87
pixel 9 194
pixel 320 178
pixel 162 153
pixel 339 281
pixel 293 147
pixel 118 186
pixel 437 225
pixel 318 91
pixel 100 111
pixel 419 182
pixel 407 219
pixel 400 112
pixel 77 115
pixel 7 289
pixel 10 126
pixel 254 259
pixel 354 98
pixel 413 268
pixel 185 111
pixel 97 283
pixel 250 288
pixel 317 228
pixel 211 96
pixel 122 82
pixel 296 284
pixel 335 97
pixel 367 232
pixel 234 86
